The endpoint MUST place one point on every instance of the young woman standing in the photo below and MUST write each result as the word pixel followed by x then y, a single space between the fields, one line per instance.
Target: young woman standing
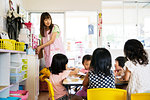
pixel 51 40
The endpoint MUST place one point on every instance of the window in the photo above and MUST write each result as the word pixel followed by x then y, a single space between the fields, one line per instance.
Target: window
pixel 79 38
pixel 79 32
pixel 123 20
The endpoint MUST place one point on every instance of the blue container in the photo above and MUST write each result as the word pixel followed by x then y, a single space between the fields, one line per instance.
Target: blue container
pixel 10 98
pixel 13 98
pixel 20 87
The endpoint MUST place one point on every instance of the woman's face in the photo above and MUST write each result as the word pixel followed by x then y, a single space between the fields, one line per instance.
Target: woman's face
pixel 47 22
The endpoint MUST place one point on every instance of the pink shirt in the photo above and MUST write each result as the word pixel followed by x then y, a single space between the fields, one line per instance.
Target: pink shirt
pixel 57 83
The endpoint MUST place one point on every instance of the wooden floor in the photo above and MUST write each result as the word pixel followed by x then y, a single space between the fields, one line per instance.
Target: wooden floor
pixel 43 96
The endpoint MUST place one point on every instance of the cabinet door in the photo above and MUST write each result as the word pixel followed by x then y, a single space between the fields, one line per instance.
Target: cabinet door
pixel 32 82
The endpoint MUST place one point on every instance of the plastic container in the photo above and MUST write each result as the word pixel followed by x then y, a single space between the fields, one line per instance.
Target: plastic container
pixel 15 70
pixel 15 64
pixel 11 98
pixel 16 77
pixel 21 87
pixel 23 94
pixel 13 44
pixel 19 46
pixel 5 44
pixel 16 58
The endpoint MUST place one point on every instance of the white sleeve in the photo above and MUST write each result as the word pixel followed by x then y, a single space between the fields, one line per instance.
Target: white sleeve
pixel 130 66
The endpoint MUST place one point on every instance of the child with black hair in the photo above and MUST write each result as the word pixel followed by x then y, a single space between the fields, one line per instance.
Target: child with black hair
pixel 100 75
pixel 119 65
pixel 58 73
pixel 86 60
pixel 137 67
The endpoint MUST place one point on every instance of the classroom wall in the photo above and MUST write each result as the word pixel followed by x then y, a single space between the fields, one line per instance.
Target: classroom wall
pixel 4 7
pixel 62 5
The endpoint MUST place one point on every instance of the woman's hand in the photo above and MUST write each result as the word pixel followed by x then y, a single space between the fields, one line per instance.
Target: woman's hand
pixel 38 49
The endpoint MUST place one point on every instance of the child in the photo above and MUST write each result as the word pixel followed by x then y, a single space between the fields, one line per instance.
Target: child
pixel 58 74
pixel 86 63
pixel 119 64
pixel 100 75
pixel 137 67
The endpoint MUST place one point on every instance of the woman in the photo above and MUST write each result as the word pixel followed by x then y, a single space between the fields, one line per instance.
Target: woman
pixel 51 40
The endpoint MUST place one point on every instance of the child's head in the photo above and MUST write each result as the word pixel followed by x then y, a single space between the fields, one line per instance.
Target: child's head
pixel 134 51
pixel 46 21
pixel 119 62
pixel 101 61
pixel 59 63
pixel 86 61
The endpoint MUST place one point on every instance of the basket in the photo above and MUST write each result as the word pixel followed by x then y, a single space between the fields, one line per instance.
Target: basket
pixel 23 94
pixel 5 44
pixel 19 46
pixel 13 44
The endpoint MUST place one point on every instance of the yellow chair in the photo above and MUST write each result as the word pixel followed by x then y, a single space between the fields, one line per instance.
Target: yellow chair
pixel 45 74
pixel 140 96
pixel 106 94
pixel 50 89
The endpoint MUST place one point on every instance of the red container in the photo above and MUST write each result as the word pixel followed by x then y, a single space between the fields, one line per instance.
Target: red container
pixel 23 94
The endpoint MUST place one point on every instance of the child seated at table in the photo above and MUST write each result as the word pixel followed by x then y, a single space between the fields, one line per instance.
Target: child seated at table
pixel 137 67
pixel 86 63
pixel 119 65
pixel 86 60
pixel 58 73
pixel 100 75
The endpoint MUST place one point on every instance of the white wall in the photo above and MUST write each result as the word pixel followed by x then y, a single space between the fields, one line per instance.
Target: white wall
pixel 62 5
pixel 4 7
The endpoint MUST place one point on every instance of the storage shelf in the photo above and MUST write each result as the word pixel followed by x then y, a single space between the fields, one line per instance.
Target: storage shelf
pixel 2 88
pixel 11 51
pixel 9 58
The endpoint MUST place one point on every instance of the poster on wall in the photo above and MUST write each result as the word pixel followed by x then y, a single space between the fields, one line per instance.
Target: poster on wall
pixel 90 29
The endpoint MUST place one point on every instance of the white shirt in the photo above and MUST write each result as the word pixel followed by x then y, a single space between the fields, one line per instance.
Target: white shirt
pixel 139 81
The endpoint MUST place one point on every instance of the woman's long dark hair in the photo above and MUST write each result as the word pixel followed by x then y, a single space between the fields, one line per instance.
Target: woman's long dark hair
pixel 101 61
pixel 44 16
pixel 134 51
pixel 59 62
